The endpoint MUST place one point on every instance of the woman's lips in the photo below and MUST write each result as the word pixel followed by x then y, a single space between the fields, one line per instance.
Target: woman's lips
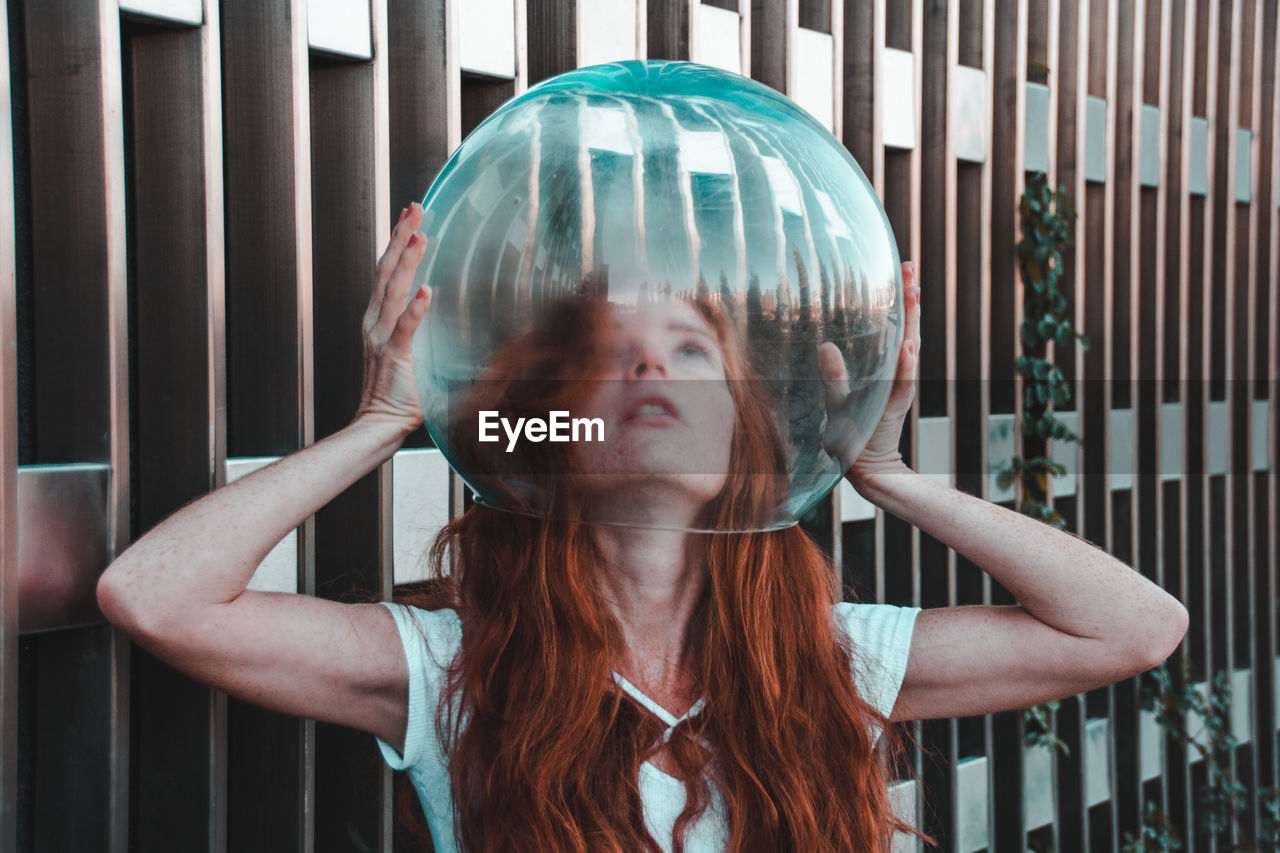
pixel 653 409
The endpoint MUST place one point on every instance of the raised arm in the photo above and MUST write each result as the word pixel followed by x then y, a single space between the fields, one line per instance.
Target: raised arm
pixel 1083 618
pixel 180 590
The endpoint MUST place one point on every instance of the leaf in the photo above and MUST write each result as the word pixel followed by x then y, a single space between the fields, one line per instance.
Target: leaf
pixel 1035 274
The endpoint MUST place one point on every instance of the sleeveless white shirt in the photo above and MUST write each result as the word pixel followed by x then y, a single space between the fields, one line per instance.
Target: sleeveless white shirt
pixel 881 640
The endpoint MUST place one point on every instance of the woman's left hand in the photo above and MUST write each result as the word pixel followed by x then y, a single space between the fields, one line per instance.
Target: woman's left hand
pixel 842 439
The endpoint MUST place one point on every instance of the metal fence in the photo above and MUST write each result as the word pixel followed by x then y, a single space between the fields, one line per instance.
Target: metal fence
pixel 198 192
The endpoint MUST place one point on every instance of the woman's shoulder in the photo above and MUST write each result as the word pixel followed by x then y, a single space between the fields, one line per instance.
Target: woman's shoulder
pixel 437 633
pixel 867 617
pixel 879 638
pixel 431 640
pixel 875 627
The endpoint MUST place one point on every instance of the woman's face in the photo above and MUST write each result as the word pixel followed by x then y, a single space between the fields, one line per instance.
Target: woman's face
pixel 662 393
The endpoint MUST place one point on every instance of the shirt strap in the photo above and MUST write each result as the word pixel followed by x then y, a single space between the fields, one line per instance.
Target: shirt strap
pixel 660 712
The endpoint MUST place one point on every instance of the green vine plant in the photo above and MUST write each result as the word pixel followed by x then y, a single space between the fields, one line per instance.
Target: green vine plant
pixel 1046 219
pixel 1222 799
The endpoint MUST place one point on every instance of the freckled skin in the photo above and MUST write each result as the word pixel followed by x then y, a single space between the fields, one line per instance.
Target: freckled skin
pixel 668 465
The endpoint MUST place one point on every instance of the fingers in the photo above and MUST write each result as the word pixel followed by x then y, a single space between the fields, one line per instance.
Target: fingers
pixel 397 292
pixel 835 377
pixel 410 318
pixel 909 355
pixel 401 234
pixel 911 291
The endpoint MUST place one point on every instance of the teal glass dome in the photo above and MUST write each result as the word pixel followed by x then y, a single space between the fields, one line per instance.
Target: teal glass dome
pixel 650 222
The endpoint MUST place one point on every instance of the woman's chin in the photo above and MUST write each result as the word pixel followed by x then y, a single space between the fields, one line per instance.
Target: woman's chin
pixel 658 498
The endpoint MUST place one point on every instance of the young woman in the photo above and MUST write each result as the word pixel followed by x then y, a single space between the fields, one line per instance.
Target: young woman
pixel 571 685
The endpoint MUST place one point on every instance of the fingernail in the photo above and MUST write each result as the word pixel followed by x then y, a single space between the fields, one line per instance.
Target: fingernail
pixel 911 265
pixel 402 213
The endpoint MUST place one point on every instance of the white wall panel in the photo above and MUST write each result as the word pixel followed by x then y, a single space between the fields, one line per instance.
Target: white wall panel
pixel 971 114
pixel 1150 744
pixel 853 506
pixel 898 97
pixel 341 27
pixel 419 508
pixel 904 799
pixel 812 74
pixel 717 38
pixel 1066 454
pixel 971 788
pixel 1242 705
pixel 1122 438
pixel 487 37
pixel 606 31
pixel 1097 760
pixel 1149 146
pixel 178 11
pixel 1037 785
pixel 934 448
pixel 278 572
pixel 1244 164
pixel 1198 180
pixel 1002 446
pixel 1095 156
pixel 1219 437
pixel 1036 155
pixel 1196 729
pixel 1172 446
pixel 1259 436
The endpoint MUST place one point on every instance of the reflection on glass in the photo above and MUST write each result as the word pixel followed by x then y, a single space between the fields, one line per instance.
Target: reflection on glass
pixel 594 226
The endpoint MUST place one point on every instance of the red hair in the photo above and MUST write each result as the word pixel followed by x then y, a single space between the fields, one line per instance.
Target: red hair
pixel 550 754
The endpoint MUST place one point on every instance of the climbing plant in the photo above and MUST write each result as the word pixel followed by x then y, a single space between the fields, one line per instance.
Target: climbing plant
pixel 1202 721
pixel 1046 219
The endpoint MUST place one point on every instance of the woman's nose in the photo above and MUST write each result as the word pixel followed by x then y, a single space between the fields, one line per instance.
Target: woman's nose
pixel 646 360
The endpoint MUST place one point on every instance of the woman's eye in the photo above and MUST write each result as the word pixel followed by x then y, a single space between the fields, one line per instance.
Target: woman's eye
pixel 694 348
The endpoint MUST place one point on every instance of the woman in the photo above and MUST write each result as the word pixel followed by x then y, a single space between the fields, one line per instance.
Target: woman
pixel 747 713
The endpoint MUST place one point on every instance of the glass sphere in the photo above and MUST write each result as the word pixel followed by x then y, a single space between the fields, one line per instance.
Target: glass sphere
pixel 636 269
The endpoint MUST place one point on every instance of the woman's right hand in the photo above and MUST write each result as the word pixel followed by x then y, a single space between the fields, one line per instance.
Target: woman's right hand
pixel 390 393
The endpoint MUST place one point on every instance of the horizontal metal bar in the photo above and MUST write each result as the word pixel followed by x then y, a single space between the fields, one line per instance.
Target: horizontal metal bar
pixel 62 544
pixel 174 11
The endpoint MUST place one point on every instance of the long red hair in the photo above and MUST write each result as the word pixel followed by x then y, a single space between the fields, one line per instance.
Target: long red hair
pixel 544 749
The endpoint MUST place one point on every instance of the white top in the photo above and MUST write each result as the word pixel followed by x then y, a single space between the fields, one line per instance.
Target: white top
pixel 881 639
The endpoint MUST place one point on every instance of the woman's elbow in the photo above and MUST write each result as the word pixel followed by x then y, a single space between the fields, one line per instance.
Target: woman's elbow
pixel 1166 633
pixel 119 600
